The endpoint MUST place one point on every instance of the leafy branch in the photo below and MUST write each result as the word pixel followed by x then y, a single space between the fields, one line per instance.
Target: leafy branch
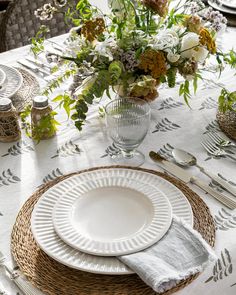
pixel 94 88
pixel 55 83
pixel 227 100
pixel 184 90
pixel 37 42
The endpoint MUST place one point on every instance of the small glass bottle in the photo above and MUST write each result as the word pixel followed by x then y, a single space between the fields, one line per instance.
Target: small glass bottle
pixel 9 124
pixel 40 110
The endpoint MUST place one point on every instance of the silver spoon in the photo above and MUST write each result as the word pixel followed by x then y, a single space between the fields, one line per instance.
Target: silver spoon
pixel 186 159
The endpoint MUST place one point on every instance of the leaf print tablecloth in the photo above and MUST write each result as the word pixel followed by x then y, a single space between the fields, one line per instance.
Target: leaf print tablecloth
pixel 25 165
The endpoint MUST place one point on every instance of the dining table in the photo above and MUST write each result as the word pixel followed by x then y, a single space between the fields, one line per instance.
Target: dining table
pixel 26 165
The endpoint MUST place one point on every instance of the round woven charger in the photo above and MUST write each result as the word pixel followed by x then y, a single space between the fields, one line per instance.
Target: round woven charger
pixel 57 279
pixel 28 90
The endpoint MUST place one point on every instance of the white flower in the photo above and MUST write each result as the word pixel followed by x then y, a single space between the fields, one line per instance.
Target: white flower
pixel 166 39
pixel 191 48
pixel 117 7
pixel 200 54
pixel 173 57
pixel 104 49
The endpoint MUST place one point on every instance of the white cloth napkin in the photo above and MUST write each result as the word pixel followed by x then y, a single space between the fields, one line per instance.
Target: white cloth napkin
pixel 179 254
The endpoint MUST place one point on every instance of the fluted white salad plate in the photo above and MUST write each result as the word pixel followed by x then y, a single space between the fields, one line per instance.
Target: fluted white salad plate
pixel 12 83
pixel 109 215
pixel 216 4
pixel 46 237
pixel 2 77
pixel 229 3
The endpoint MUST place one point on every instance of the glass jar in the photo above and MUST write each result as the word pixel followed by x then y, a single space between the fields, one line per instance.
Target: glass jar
pixel 9 124
pixel 41 118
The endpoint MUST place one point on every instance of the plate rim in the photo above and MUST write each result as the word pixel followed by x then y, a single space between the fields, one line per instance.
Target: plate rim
pixel 4 77
pixel 98 253
pixel 224 9
pixel 100 271
pixel 20 79
pixel 225 3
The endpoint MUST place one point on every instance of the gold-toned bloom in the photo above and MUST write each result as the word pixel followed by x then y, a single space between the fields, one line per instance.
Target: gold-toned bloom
pixel 91 29
pixel 188 68
pixel 193 23
pixel 159 6
pixel 144 87
pixel 207 40
pixel 153 62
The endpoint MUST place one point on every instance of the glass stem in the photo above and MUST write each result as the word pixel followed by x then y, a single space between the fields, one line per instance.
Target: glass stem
pixel 128 153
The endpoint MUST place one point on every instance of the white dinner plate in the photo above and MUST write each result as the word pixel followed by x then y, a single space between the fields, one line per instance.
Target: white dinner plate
pixel 12 82
pixel 218 6
pixel 2 77
pixel 229 3
pixel 109 215
pixel 48 240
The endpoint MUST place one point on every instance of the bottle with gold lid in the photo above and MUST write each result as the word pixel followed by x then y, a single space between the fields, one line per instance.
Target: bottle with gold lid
pixel 41 119
pixel 9 124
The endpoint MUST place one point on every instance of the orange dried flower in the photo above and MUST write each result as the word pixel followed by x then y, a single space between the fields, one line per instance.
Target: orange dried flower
pixel 153 62
pixel 207 40
pixel 193 23
pixel 93 28
pixel 159 6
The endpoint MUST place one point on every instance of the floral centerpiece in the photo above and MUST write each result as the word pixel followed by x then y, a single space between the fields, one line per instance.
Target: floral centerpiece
pixel 138 46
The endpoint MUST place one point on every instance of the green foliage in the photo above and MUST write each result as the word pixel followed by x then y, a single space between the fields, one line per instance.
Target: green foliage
pixel 227 101
pixel 66 102
pixel 37 42
pixel 94 88
pixel 82 12
pixel 171 76
pixel 195 81
pixel 184 90
pixel 54 84
pixel 230 58
pixel 115 71
pixel 47 125
pixel 175 18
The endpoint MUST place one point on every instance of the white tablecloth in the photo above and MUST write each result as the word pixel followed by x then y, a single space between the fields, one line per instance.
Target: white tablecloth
pixel 25 165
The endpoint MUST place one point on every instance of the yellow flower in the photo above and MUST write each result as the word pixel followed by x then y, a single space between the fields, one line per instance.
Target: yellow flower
pixel 207 40
pixel 153 62
pixel 93 28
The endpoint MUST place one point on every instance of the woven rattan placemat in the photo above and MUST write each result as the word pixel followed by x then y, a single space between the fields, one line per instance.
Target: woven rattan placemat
pixel 56 279
pixel 28 90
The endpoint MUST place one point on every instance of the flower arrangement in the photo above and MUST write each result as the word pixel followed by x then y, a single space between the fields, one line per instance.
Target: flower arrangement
pixel 140 45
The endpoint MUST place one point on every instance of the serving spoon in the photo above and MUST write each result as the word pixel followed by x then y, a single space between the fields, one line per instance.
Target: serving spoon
pixel 184 158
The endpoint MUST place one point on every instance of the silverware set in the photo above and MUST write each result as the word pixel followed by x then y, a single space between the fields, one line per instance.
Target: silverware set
pixel 218 146
pixel 21 283
pixel 215 145
pixel 38 67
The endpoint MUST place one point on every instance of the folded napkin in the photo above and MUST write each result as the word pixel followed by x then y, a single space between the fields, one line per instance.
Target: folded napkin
pixel 180 253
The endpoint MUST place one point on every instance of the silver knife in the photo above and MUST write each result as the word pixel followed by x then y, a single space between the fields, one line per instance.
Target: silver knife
pixel 32 67
pixel 37 62
pixel 186 177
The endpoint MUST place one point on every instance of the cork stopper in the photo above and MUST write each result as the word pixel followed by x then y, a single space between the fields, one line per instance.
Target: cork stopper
pixel 5 104
pixel 40 101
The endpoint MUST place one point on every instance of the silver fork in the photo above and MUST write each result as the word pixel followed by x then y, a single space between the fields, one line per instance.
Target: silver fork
pixel 220 140
pixel 215 150
pixel 22 284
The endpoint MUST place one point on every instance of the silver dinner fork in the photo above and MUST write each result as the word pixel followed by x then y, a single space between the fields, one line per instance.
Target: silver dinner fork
pixel 214 150
pixel 220 140
pixel 22 284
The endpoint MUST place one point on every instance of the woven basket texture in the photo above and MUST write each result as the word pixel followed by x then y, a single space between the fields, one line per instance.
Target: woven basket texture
pixel 18 24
